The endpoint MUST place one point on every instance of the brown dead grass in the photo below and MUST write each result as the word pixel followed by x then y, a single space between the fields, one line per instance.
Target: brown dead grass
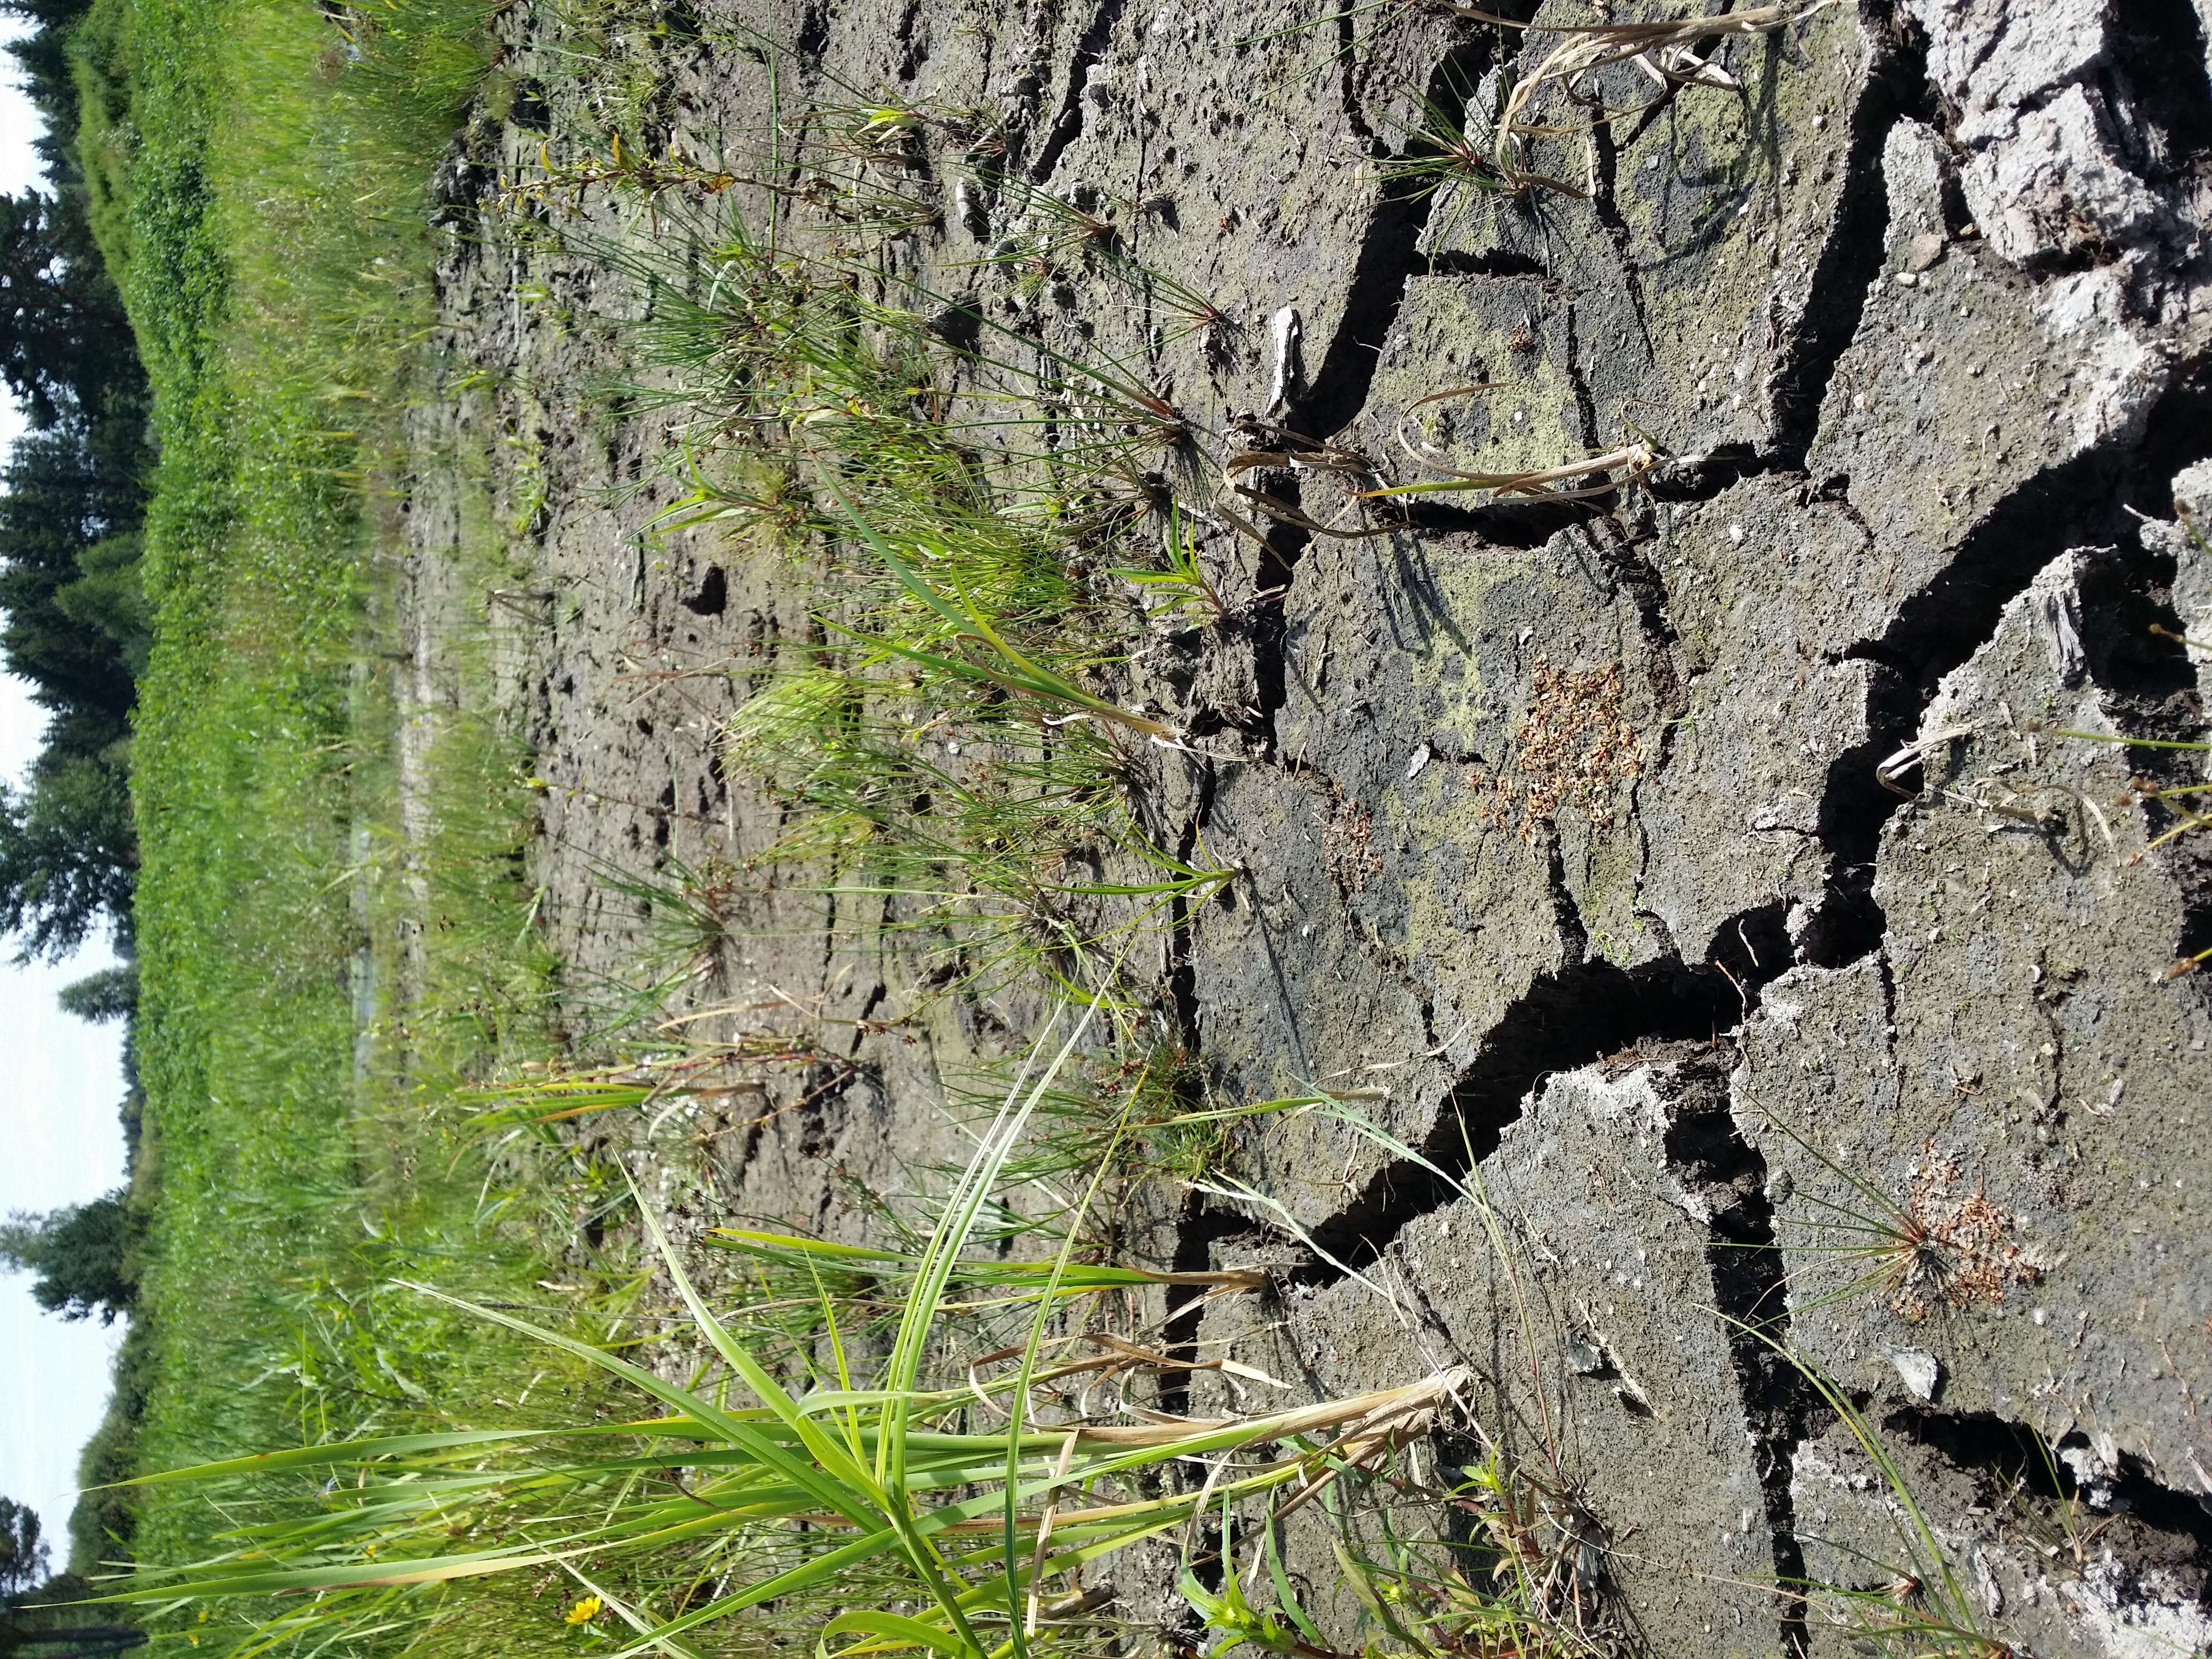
pixel 1576 747
pixel 1960 1249
pixel 1348 843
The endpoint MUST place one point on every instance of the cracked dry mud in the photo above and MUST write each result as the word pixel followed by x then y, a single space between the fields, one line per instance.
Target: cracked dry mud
pixel 1564 843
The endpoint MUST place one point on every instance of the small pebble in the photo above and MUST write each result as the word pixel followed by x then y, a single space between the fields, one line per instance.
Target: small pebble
pixel 1921 1372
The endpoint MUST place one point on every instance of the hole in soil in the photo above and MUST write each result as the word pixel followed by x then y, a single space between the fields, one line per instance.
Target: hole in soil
pixel 813 36
pixel 2158 49
pixel 1525 524
pixel 1709 1154
pixel 1264 624
pixel 1069 125
pixel 1852 263
pixel 528 112
pixel 2015 1458
pixel 1494 262
pixel 1199 1230
pixel 713 596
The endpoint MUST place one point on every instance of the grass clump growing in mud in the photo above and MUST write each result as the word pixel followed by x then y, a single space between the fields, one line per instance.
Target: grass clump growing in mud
pixel 1940 1247
pixel 951 746
pixel 932 1447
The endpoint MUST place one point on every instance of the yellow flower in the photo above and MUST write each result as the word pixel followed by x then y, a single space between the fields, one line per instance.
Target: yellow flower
pixel 584 1611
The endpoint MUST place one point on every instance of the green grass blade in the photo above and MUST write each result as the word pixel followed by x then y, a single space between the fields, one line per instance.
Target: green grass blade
pixel 901 1630
pixel 860 1497
pixel 828 1493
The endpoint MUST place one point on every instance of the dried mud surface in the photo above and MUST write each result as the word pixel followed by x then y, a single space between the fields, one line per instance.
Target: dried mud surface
pixel 1566 847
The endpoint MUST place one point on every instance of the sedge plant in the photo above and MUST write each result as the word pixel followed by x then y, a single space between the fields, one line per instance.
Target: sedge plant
pixel 871 1511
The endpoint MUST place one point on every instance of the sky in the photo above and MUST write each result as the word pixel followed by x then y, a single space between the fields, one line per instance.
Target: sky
pixel 61 1080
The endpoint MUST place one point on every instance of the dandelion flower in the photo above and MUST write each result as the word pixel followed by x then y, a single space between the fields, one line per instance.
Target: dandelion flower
pixel 584 1610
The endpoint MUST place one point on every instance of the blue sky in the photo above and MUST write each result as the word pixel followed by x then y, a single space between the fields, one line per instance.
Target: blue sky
pixel 60 1082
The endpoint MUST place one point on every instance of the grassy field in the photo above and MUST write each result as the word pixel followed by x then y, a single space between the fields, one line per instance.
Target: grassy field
pixel 264 215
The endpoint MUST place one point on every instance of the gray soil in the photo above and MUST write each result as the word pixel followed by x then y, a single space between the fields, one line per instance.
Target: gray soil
pixel 1700 861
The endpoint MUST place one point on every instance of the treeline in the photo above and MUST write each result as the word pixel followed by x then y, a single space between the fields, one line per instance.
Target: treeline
pixel 75 624
pixel 42 1616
